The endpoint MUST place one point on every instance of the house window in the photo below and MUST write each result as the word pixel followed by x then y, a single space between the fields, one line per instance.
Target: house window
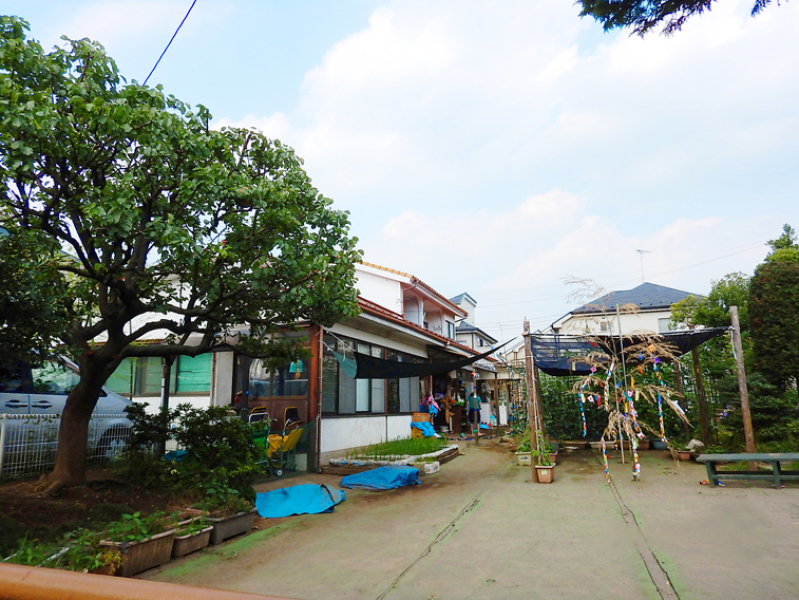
pixel 289 380
pixel 664 325
pixel 451 330
pixel 603 327
pixel 141 376
pixel 343 395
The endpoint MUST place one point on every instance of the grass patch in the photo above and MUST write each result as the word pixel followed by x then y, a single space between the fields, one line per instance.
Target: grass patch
pixel 399 448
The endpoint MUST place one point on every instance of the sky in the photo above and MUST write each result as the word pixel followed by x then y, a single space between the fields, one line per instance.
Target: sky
pixel 497 148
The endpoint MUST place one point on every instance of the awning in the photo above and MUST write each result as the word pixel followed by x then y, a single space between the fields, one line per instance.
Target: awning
pixel 364 366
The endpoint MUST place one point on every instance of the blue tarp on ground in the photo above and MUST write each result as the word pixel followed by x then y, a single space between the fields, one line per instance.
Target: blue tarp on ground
pixel 426 429
pixel 297 500
pixel 382 478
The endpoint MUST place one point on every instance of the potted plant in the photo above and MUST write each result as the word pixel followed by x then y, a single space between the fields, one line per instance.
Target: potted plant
pixel 523 456
pixel 682 452
pixel 191 535
pixel 545 467
pixel 143 542
pixel 643 443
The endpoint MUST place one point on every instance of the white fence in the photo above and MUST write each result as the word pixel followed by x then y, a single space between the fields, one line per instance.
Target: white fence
pixel 29 443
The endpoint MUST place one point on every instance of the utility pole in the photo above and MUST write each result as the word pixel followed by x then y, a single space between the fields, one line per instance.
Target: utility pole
pixel 738 350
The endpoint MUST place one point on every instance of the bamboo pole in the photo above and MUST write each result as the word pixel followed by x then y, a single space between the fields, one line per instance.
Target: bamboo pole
pixel 532 412
pixel 737 348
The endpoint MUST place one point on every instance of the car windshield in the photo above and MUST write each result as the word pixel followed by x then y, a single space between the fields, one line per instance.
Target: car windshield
pixel 53 378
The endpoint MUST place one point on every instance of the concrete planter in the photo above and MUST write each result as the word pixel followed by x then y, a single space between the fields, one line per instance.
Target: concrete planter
pixel 186 544
pixel 143 555
pixel 524 459
pixel 228 527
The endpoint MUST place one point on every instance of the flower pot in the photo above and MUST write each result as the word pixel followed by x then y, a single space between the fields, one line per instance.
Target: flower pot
pixel 545 474
pixel 143 555
pixel 643 444
pixel 191 542
pixel 524 459
pixel 553 458
pixel 228 527
pixel 684 454
pixel 658 445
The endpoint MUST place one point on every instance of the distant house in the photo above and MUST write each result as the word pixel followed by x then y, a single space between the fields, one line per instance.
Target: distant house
pixel 646 308
pixel 466 331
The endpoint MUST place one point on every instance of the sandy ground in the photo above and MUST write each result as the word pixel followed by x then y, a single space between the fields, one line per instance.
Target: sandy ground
pixel 480 529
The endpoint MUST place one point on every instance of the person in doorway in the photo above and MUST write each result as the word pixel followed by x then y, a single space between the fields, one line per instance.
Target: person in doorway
pixel 474 409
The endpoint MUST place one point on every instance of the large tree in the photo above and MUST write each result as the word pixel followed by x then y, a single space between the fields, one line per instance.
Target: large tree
pixel 149 222
pixel 644 15
pixel 774 310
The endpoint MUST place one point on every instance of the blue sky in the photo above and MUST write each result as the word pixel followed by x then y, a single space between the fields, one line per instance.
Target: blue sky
pixel 497 148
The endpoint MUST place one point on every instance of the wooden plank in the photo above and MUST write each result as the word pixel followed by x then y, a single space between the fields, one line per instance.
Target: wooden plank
pixel 746 457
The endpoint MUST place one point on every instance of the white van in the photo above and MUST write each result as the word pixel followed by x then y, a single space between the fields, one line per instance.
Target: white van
pixel 43 391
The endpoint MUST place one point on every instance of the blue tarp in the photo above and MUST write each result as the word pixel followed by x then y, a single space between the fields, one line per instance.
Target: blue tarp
pixel 382 478
pixel 297 500
pixel 425 428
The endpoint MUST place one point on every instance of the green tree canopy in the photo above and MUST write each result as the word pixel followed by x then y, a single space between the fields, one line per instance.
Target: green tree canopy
pixel 644 15
pixel 774 310
pixel 152 225
pixel 713 310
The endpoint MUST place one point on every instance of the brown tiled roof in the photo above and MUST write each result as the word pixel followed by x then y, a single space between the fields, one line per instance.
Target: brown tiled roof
pixel 376 309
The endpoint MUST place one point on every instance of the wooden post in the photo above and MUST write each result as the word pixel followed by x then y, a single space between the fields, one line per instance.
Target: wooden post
pixel 701 398
pixel 532 409
pixel 738 350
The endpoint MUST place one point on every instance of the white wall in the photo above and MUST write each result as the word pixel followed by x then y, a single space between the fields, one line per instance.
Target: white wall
pixel 380 290
pixel 222 379
pixel 354 432
pixel 630 323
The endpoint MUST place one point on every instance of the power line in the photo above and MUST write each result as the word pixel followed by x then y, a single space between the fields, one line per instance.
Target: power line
pixel 170 42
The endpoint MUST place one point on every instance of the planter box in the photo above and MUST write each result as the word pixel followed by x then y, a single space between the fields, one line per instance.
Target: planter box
pixel 643 444
pixel 228 527
pixel 545 474
pixel 186 544
pixel 432 467
pixel 140 556
pixel 524 459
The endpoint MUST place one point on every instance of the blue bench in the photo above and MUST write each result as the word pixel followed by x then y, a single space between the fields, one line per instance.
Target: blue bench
pixel 777 475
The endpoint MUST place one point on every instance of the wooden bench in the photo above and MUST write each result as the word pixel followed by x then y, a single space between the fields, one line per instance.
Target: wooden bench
pixel 774 459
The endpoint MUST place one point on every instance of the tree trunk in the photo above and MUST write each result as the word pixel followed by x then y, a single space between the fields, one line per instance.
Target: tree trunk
pixel 73 433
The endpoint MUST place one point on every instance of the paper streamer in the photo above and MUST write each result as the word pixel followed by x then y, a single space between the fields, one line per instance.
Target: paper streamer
pixel 605 460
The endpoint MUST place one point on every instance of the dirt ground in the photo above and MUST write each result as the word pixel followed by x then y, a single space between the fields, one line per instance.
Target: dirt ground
pixel 24 511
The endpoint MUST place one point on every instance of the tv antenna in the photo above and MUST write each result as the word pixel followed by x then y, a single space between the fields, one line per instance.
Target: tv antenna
pixel 641 254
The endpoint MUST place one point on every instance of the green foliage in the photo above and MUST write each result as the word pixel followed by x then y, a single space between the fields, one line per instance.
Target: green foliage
pixel 31 310
pixel 167 224
pixel 399 448
pixel 645 15
pixel 713 310
pixel 774 311
pixel 136 527
pixel 220 461
pixel 76 551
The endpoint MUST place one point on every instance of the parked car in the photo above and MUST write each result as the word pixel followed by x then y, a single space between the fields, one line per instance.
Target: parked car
pixel 41 392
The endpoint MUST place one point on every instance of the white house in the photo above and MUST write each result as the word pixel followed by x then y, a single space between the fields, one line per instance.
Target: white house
pixel 402 319
pixel 645 308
